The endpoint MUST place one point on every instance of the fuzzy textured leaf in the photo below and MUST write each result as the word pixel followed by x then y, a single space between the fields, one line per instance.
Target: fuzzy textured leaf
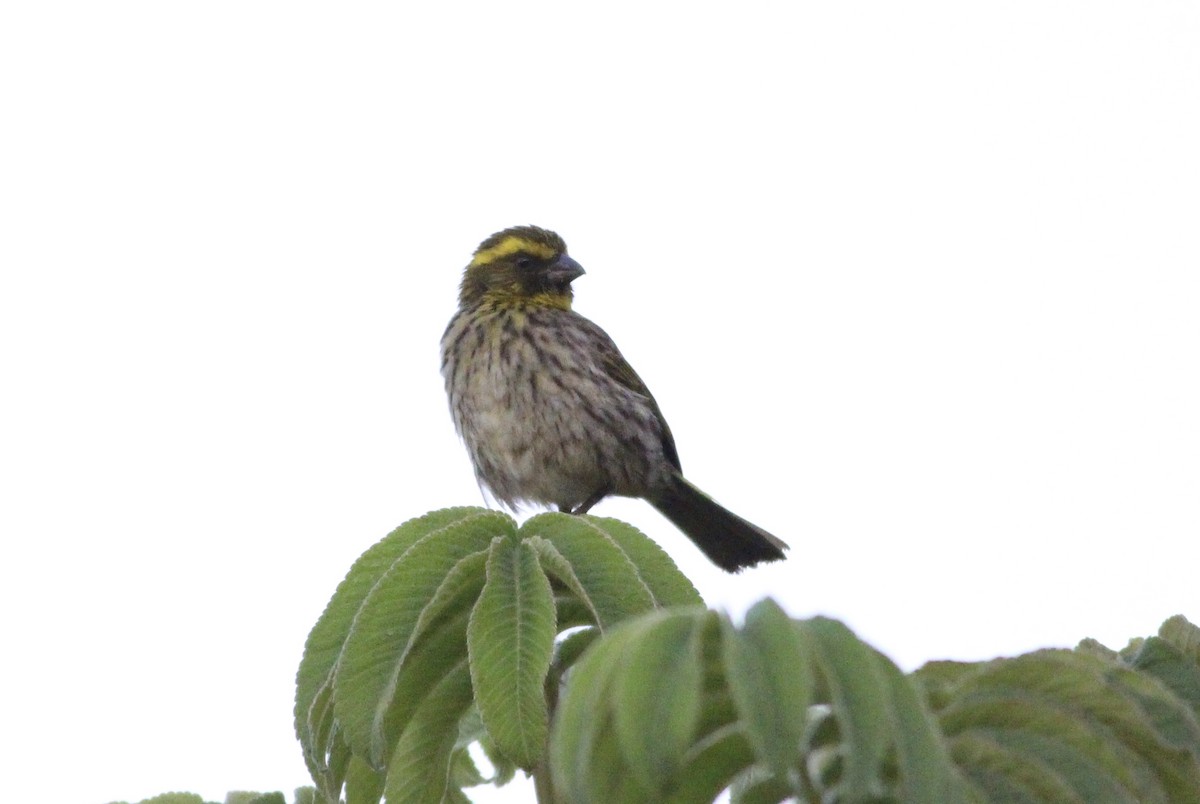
pixel 667 584
pixel 314 714
pixel 420 769
pixel 1065 726
pixel 510 640
pixel 589 563
pixel 386 628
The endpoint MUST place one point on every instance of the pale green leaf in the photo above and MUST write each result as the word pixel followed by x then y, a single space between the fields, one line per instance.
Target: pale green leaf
pixel 585 755
pixel 923 766
pixel 769 672
pixel 860 698
pixel 657 695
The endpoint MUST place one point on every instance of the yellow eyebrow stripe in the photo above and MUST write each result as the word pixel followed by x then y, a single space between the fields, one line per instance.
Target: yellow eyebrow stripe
pixel 511 245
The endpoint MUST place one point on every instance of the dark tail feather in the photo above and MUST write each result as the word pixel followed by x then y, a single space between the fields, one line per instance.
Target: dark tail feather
pixel 729 541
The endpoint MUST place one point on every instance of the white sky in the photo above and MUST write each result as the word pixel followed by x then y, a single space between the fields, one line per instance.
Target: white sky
pixel 916 285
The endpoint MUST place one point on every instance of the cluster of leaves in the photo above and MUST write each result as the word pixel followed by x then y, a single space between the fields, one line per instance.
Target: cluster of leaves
pixel 1077 726
pixel 678 706
pixel 573 648
pixel 304 795
pixel 460 628
pixel 450 632
pixel 681 705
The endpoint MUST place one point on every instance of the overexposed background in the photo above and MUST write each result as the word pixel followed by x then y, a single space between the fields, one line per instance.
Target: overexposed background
pixel 917 286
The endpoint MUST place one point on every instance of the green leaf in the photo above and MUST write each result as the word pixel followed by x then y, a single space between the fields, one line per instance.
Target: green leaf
pixel 307 795
pixel 697 706
pixel 390 621
pixel 314 718
pixel 568 649
pixel 1059 719
pixel 326 753
pixel 1165 661
pixel 420 769
pixel 510 640
pixel 1004 775
pixel 990 715
pixel 1183 635
pixel 1073 764
pixel 1094 648
pixel 859 696
pixel 463 770
pixel 656 697
pixel 364 785
pixel 712 764
pixel 434 654
pixel 923 766
pixel 759 787
pixel 940 680
pixel 770 676
pixel 590 564
pixel 585 754
pixel 669 586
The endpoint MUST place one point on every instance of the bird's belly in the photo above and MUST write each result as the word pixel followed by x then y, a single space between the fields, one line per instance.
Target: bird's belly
pixel 544 424
pixel 528 448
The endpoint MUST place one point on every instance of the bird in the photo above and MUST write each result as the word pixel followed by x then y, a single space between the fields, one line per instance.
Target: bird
pixel 550 411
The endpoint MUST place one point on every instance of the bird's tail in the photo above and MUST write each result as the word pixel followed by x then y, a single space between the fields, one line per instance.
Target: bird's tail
pixel 729 541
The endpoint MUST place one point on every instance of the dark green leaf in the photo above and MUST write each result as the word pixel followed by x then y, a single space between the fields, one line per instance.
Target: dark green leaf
pixel 1004 776
pixel 1166 662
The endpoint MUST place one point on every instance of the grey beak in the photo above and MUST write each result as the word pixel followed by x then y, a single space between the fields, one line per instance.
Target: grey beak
pixel 564 270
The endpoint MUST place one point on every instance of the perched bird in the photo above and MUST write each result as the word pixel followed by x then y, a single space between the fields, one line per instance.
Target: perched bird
pixel 550 411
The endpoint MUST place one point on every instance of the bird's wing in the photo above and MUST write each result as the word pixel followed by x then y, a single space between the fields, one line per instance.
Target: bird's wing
pixel 613 363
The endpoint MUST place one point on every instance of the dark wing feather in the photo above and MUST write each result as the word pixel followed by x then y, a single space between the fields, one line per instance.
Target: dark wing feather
pixel 616 367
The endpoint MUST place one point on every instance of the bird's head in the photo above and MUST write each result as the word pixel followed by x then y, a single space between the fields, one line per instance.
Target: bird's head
pixel 523 263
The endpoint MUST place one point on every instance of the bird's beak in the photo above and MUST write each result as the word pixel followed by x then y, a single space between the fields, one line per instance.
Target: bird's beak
pixel 564 270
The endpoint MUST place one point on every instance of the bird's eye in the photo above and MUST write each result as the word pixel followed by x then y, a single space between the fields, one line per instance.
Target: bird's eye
pixel 523 261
